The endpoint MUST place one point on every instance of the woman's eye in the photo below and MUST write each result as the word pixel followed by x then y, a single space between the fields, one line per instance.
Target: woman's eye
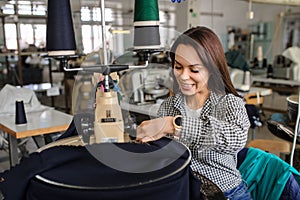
pixel 194 70
pixel 177 67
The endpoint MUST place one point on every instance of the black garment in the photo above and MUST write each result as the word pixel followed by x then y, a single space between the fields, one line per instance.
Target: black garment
pixel 80 122
pixel 77 166
pixel 71 131
pixel 253 114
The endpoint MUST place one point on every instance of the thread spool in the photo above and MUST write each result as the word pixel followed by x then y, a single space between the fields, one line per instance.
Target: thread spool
pixel 60 37
pixel 20 113
pixel 292 109
pixel 146 24
pixel 260 53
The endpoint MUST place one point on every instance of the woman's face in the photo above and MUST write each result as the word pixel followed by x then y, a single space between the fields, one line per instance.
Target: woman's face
pixel 192 76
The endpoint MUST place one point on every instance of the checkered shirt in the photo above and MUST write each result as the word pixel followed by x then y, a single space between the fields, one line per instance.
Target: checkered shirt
pixel 215 137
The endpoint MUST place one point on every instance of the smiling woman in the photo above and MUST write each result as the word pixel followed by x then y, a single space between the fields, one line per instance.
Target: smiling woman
pixel 213 119
pixel 191 76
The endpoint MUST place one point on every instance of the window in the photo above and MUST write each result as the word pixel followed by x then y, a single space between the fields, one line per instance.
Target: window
pixel 26 31
pixel 8 9
pixel 39 9
pixel 97 36
pixel 87 38
pixel 94 14
pixel 40 35
pixel 11 35
pixel 85 14
pixel 31 31
pixel 24 9
pixel 29 34
pixel 91 27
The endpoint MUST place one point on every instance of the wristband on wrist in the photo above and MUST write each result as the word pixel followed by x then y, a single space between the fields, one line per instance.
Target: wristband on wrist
pixel 177 125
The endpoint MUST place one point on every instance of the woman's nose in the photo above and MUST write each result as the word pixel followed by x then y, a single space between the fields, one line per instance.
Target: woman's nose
pixel 184 75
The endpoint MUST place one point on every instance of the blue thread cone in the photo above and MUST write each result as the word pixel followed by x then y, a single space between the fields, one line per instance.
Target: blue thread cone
pixel 20 113
pixel 60 37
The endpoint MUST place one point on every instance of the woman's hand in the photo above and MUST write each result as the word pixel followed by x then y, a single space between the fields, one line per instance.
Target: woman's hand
pixel 154 129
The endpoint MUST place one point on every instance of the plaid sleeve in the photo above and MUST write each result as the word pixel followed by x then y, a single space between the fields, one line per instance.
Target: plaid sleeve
pixel 224 129
pixel 232 127
pixel 167 108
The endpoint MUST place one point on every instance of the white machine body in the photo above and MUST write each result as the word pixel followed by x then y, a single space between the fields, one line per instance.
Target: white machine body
pixel 109 125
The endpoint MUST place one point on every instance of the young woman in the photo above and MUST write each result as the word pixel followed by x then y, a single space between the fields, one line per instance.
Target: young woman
pixel 205 112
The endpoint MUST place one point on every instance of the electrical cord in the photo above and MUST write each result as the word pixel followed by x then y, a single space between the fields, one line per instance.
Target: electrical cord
pixel 295 133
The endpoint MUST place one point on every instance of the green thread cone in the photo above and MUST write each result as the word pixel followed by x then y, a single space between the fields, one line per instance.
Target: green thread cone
pixel 146 10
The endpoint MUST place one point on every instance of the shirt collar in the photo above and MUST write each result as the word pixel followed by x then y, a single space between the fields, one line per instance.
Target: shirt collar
pixel 212 101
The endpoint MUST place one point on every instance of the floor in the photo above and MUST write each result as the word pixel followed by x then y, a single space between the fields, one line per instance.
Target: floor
pixel 259 132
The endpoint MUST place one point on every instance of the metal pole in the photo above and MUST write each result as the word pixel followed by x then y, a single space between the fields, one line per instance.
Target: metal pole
pixel 251 56
pixel 16 21
pixel 103 32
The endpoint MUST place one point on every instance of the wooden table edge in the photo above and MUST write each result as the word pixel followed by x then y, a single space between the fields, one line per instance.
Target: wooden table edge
pixel 30 133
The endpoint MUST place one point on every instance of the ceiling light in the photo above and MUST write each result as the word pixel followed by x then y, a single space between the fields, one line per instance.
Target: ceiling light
pixel 250 13
pixel 279 2
pixel 120 31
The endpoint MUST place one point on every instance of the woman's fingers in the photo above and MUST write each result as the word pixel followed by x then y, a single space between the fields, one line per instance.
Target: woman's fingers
pixel 147 132
pixel 148 139
pixel 151 130
pixel 139 132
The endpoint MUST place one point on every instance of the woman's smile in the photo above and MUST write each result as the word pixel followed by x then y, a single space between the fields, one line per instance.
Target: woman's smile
pixel 186 86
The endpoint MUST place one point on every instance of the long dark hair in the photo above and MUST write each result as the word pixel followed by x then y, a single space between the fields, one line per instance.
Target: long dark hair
pixel 210 51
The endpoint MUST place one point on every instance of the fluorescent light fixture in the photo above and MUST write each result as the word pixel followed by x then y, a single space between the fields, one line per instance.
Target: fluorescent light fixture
pixel 250 13
pixel 120 31
pixel 279 2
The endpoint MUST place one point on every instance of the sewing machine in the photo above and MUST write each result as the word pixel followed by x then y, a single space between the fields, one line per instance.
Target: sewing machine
pixel 138 86
pixel 96 103
pixel 97 113
pixel 108 125
pixel 145 86
pixel 283 68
